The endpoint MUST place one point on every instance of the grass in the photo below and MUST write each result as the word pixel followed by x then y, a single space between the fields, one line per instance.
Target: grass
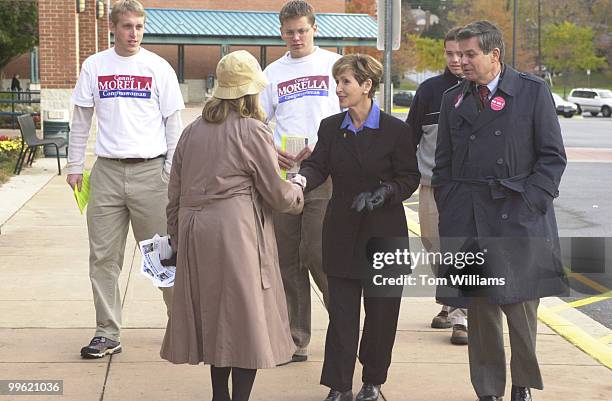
pixel 406 85
pixel 7 165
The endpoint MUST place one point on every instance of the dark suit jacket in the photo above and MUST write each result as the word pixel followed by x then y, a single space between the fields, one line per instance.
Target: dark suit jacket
pixel 360 163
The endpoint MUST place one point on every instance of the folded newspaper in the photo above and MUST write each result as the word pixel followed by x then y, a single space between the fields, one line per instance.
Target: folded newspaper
pixel 153 251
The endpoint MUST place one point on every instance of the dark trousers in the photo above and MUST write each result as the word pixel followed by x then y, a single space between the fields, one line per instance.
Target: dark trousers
pixel 343 335
pixel 486 346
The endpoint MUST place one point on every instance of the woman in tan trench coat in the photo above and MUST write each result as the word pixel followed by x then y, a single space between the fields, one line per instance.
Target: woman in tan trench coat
pixel 229 307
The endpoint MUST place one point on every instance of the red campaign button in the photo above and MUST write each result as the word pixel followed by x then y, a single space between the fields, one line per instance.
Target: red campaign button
pixel 498 103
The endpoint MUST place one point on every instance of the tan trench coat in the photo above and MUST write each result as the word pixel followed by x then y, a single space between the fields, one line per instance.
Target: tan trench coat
pixel 229 304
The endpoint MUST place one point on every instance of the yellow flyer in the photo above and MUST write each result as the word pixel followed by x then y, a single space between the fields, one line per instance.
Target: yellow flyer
pixel 82 196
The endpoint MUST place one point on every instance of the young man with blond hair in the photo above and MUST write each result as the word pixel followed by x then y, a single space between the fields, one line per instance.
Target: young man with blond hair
pixel 137 101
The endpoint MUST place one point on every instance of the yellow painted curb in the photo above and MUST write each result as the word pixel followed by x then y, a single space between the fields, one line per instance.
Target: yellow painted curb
pixel 400 109
pixel 587 281
pixel 576 336
pixel 606 339
pixel 582 302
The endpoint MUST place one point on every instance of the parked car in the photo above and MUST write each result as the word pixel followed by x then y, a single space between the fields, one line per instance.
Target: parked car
pixel 591 100
pixel 564 108
pixel 403 98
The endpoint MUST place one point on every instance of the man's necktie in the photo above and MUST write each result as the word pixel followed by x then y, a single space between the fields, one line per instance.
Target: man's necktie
pixel 483 93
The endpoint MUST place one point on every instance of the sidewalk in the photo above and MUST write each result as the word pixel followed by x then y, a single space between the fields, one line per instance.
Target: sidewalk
pixel 47 315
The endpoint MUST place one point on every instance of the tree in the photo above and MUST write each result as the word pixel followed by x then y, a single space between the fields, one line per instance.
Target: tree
pixel 429 54
pixel 19 28
pixel 568 48
pixel 439 8
pixel 500 13
pixel 402 59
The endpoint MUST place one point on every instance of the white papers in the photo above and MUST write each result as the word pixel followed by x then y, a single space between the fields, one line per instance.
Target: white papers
pixel 292 145
pixel 153 251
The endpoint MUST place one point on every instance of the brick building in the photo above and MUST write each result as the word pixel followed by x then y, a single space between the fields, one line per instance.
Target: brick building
pixel 68 37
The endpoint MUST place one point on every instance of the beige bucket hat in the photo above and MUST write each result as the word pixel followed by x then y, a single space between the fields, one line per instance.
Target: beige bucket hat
pixel 239 74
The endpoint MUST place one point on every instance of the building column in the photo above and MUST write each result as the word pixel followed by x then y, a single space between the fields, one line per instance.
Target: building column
pixel 225 50
pixel 34 71
pixel 263 56
pixel 88 31
pixel 58 27
pixel 181 64
pixel 104 28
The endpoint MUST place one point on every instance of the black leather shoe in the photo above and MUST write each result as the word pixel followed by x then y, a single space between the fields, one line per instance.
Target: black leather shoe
pixel 368 392
pixel 520 393
pixel 335 395
pixel 490 398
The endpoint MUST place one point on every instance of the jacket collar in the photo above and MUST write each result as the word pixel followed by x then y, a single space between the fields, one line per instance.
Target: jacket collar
pixel 509 80
pixel 450 77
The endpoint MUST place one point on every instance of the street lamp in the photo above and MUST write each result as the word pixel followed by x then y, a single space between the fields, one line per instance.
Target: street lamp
pixel 514 21
pixel 540 38
pixel 80 6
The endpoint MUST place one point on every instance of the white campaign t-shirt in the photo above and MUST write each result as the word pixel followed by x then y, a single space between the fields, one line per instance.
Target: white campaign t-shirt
pixel 301 92
pixel 131 95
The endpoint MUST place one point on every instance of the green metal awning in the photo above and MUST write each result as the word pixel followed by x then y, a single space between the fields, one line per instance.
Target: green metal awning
pixel 252 28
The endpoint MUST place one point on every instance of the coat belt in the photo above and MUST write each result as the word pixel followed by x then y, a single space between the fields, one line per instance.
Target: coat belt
pixel 266 266
pixel 198 201
pixel 496 185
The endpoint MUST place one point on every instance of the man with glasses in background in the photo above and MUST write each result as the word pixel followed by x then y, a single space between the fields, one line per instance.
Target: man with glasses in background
pixel 301 92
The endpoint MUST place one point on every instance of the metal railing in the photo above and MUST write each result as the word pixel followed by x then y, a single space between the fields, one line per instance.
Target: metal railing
pixel 16 98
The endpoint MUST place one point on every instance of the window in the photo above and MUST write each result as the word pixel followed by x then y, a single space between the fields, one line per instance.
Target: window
pixel 606 94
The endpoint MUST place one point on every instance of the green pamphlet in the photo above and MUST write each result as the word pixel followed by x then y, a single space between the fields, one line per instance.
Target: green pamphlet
pixel 82 196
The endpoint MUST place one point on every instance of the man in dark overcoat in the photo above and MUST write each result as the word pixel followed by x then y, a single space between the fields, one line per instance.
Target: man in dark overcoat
pixel 499 161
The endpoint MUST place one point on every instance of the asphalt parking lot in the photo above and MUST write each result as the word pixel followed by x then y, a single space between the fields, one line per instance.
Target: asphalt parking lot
pixel 584 207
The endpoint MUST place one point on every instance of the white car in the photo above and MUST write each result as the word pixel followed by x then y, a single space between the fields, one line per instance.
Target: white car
pixel 564 108
pixel 590 100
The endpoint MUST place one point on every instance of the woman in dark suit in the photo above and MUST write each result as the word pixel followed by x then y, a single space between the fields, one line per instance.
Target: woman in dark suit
pixel 372 162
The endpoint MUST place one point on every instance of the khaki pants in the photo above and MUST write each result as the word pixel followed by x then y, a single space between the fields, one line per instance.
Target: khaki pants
pixel 486 346
pixel 121 194
pixel 428 219
pixel 299 252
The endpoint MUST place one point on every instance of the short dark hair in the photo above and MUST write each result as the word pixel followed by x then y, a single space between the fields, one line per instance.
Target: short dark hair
pixel 489 36
pixel 452 35
pixel 296 9
pixel 363 67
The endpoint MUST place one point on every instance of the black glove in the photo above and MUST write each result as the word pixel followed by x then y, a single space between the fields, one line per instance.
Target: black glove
pixel 380 196
pixel 373 200
pixel 171 261
pixel 359 203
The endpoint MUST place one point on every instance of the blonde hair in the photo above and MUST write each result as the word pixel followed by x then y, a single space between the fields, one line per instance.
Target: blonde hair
pixel 363 67
pixel 216 110
pixel 126 6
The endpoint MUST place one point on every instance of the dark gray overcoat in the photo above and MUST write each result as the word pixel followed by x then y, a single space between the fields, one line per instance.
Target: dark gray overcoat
pixel 496 175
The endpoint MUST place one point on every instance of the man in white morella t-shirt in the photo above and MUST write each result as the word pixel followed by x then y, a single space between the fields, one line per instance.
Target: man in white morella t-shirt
pixel 137 100
pixel 301 92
